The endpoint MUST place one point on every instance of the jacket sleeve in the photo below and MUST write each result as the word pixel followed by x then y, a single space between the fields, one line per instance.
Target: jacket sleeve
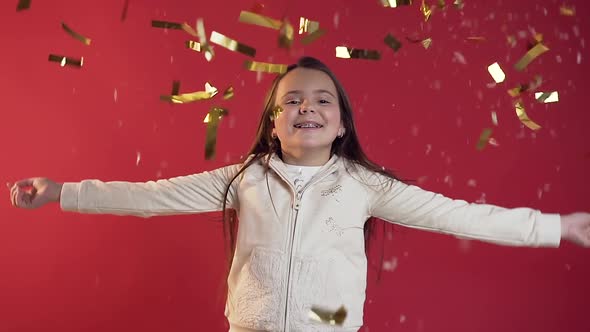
pixel 195 193
pixel 411 206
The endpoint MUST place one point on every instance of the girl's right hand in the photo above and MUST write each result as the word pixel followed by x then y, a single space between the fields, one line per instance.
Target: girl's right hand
pixel 34 192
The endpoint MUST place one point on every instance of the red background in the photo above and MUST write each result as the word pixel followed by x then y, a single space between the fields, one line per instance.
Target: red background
pixel 419 112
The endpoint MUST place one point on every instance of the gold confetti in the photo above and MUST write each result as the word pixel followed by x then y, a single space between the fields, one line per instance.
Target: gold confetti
pixel 426 10
pixel 524 118
pixel 530 56
pixel 442 4
pixel 483 139
pixel 265 67
pixel 511 40
pixel 328 317
pixel 212 120
pixel 426 43
pixel 496 72
pixel 533 85
pixel 395 3
pixel 313 36
pixel 352 53
pixel 231 44
pixel 208 50
pixel 276 112
pixel 23 5
pixel 458 4
pixel 124 13
pixel 76 35
pixel 547 97
pixel 193 45
pixel 286 35
pixel 166 25
pixel 175 88
pixel 228 93
pixel 307 26
pixel 185 98
pixel 567 11
pixel 392 42
pixel 260 20
pixel 66 61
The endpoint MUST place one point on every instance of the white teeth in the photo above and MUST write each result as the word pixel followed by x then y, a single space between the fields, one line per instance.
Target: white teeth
pixel 307 125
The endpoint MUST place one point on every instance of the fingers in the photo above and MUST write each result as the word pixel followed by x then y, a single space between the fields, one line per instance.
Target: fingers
pixel 24 182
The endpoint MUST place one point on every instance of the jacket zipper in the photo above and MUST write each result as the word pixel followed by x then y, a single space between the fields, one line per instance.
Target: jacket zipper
pixel 296 207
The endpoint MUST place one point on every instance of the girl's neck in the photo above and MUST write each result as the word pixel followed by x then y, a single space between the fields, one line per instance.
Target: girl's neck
pixel 305 159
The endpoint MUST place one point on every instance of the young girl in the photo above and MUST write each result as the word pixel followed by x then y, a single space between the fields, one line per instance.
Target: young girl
pixel 303 197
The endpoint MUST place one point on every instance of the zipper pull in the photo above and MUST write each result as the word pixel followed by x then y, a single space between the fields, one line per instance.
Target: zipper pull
pixel 297 202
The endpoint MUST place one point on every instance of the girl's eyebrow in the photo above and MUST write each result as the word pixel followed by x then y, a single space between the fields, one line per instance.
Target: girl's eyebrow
pixel 318 91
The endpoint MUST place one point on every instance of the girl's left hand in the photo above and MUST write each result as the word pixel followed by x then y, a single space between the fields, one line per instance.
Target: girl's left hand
pixel 575 227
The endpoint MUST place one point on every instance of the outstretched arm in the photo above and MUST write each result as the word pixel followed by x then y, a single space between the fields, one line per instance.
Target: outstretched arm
pixel 203 192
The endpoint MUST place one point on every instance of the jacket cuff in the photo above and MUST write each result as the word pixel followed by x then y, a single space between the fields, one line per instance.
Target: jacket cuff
pixel 549 229
pixel 69 196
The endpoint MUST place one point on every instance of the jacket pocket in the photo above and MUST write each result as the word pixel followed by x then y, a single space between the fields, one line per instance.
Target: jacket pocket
pixel 257 297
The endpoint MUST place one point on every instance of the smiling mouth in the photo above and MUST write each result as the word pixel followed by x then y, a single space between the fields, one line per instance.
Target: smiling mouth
pixel 307 125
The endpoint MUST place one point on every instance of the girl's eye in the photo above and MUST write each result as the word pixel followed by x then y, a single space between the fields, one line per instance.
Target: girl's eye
pixel 293 102
pixel 323 101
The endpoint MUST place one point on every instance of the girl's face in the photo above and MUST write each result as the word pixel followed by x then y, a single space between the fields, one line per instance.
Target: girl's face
pixel 310 118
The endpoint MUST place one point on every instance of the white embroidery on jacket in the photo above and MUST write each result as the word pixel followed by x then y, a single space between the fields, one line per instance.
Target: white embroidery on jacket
pixel 333 227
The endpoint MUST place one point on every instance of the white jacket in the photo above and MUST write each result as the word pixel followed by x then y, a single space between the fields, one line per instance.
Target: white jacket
pixel 300 249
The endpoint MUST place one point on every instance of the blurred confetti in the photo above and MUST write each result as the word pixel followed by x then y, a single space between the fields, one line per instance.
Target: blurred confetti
pixel 23 5
pixel 231 44
pixel 531 55
pixel 328 317
pixel 547 97
pixel 496 72
pixel 66 61
pixel 265 67
pixel 483 139
pixel 74 34
pixel 524 118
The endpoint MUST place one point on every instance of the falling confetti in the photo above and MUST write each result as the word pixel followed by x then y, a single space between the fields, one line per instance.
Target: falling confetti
pixel 212 120
pixel 228 93
pixel 547 97
pixel 328 317
pixel 66 61
pixel 496 72
pixel 392 42
pixel 75 35
pixel 524 118
pixel 231 44
pixel 351 53
pixel 483 139
pixel 395 3
pixel 531 55
pixel 193 45
pixel 265 67
pixel 23 5
pixel 259 20
pixel 124 13
pixel 567 11
pixel 307 26
pixel 185 98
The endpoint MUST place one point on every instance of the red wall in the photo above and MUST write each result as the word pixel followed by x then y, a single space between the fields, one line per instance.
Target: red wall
pixel 418 111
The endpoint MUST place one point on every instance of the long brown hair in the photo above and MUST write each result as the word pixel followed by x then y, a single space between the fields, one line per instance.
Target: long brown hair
pixel 265 144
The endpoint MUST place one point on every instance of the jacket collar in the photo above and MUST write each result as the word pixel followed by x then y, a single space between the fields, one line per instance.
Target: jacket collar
pixel 277 164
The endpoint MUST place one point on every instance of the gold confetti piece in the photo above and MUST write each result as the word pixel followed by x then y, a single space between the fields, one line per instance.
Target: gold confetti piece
pixel 511 40
pixel 231 44
pixel 476 38
pixel 265 67
pixel 23 5
pixel 286 35
pixel 442 4
pixel 547 97
pixel 426 43
pixel 188 29
pixel 228 93
pixel 166 25
pixel 352 53
pixel 124 13
pixel 392 42
pixel 567 11
pixel 66 61
pixel 209 54
pixel 524 118
pixel 515 92
pixel 458 4
pixel 260 20
pixel 313 36
pixel 426 10
pixel 276 112
pixel 193 45
pixel 494 118
pixel 175 87
pixel 533 85
pixel 328 317
pixel 210 92
pixel 483 139
pixel 212 119
pixel 308 26
pixel 395 3
pixel 496 72
pixel 530 56
pixel 76 35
